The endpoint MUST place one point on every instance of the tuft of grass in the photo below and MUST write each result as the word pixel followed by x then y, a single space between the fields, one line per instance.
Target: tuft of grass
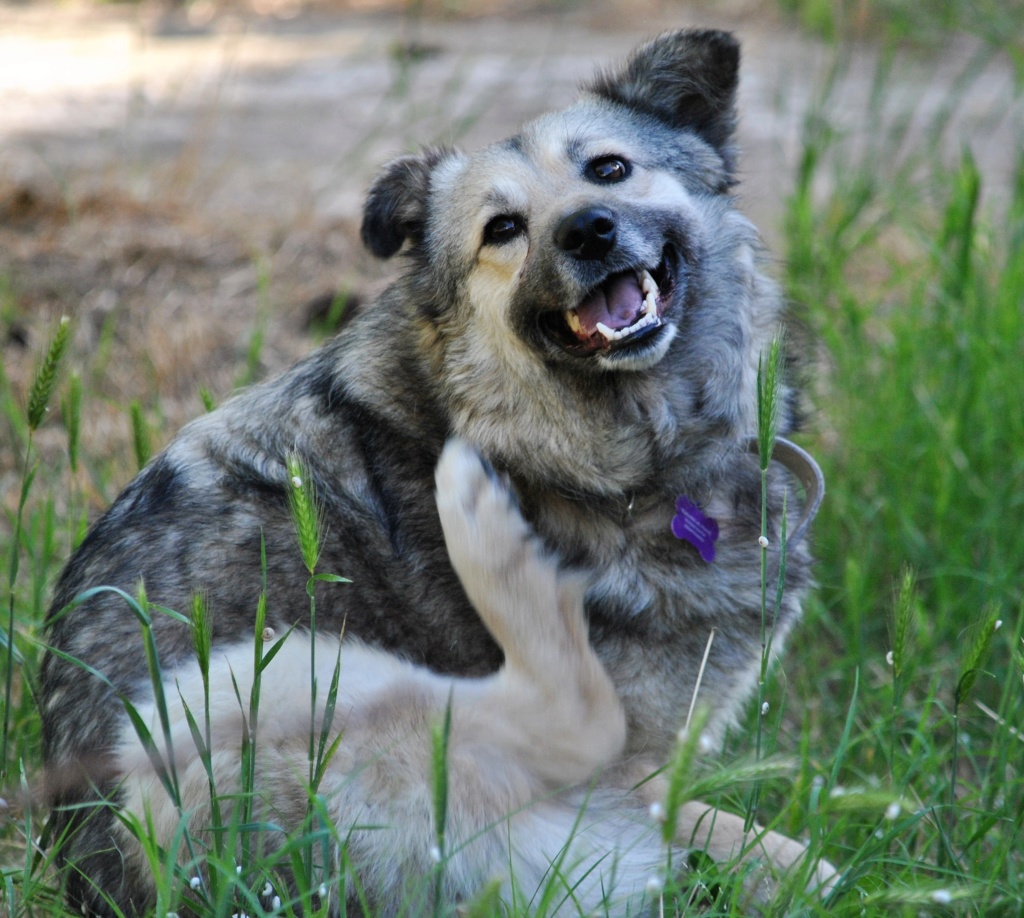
pixel 38 404
pixel 907 22
pixel 916 291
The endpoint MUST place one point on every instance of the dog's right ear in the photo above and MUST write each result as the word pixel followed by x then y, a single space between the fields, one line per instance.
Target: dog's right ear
pixel 687 79
pixel 396 207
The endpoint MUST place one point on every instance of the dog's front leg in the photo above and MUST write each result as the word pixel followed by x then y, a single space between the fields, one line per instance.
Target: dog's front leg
pixel 552 705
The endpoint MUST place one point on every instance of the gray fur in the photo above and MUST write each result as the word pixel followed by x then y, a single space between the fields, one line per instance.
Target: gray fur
pixel 597 448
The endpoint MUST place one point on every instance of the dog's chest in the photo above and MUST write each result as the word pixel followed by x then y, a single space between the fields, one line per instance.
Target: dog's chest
pixel 624 545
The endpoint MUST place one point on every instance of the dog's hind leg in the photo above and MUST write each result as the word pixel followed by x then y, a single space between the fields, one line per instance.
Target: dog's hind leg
pixel 724 837
pixel 552 701
pixel 548 719
pixel 763 855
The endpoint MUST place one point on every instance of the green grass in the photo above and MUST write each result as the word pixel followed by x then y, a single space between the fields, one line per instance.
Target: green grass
pixel 917 294
pixel 911 22
pixel 898 700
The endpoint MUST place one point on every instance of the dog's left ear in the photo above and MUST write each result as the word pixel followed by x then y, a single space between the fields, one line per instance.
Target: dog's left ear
pixel 687 79
pixel 396 207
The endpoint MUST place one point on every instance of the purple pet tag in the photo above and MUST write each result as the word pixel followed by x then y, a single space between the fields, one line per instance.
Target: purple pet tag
pixel 693 526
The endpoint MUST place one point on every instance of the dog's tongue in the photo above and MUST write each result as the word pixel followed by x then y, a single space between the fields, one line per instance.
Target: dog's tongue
pixel 616 304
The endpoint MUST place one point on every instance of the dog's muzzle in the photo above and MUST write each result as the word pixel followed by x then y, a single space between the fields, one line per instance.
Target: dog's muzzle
pixel 625 309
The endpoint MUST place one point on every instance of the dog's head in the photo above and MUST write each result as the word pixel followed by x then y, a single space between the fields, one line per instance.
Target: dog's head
pixel 599 239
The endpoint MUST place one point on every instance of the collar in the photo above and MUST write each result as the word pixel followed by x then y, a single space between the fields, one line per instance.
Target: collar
pixel 808 473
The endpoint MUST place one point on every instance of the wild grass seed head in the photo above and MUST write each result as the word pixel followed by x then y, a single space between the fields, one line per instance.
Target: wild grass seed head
pixel 206 397
pixel 307 512
pixel 904 623
pixel 978 646
pixel 202 633
pixel 46 377
pixel 440 735
pixel 769 387
pixel 140 434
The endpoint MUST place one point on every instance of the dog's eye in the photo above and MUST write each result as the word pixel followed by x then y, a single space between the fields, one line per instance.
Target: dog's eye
pixel 607 169
pixel 503 228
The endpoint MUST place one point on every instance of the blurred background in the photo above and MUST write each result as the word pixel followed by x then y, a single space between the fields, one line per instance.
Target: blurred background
pixel 182 176
pixel 186 166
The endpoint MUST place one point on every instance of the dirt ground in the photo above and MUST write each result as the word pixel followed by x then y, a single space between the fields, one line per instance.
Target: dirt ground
pixel 186 182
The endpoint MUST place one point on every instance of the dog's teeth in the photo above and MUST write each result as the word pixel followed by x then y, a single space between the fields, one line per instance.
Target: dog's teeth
pixel 648 312
pixel 647 283
pixel 611 334
pixel 573 321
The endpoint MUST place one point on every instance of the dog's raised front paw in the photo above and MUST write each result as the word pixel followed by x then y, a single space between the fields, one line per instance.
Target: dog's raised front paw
pixel 479 513
pixel 512 581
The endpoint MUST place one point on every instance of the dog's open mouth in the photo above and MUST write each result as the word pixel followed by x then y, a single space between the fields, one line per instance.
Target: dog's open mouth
pixel 621 311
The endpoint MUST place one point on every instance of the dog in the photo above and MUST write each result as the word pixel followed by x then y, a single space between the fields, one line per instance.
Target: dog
pixel 583 310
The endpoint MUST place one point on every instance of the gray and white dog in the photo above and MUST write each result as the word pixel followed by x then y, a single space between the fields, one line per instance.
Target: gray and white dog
pixel 582 309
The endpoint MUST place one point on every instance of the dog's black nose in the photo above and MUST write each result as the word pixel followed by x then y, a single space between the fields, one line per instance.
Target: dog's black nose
pixel 587 234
